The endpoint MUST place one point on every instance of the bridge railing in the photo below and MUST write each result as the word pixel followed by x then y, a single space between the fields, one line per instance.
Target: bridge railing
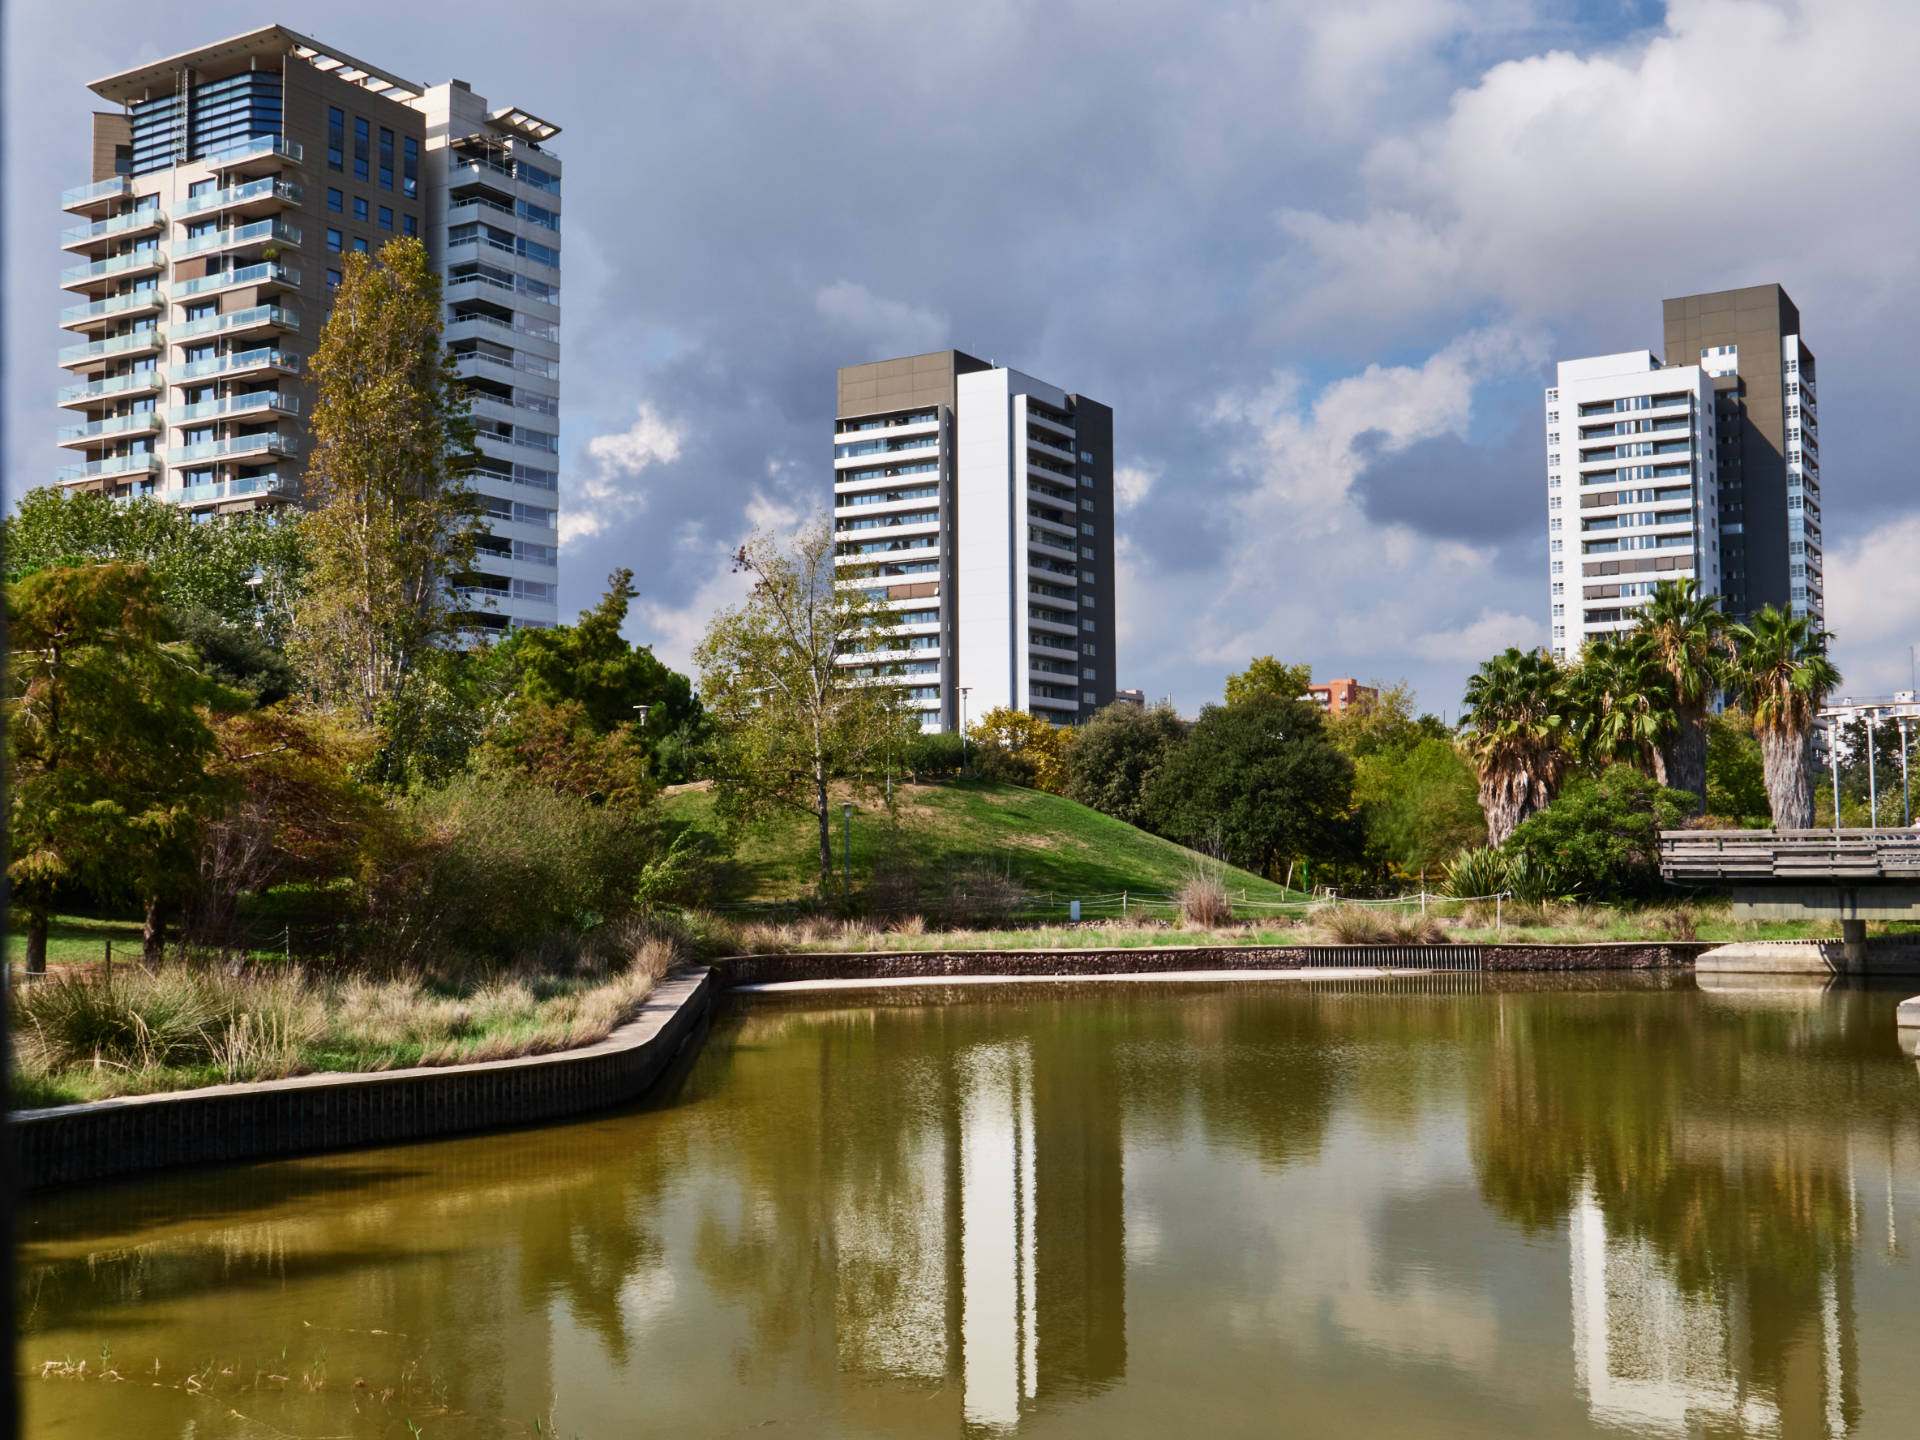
pixel 1790 855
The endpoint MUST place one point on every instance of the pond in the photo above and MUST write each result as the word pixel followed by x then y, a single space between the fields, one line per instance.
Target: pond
pixel 1463 1206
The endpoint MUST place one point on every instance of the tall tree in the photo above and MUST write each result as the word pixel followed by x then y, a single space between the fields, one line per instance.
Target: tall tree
pixel 792 719
pixel 1518 734
pixel 1782 671
pixel 1116 756
pixel 107 749
pixel 1686 636
pixel 244 570
pixel 392 525
pixel 1023 748
pixel 1260 778
pixel 1620 705
pixel 1265 675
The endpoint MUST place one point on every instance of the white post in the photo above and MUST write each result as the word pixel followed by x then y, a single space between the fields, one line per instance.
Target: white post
pixel 1873 785
pixel 1498 897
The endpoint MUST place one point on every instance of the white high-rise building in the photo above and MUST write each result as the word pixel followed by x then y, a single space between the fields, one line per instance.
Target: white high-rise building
pixel 1631 499
pixel 227 186
pixel 978 502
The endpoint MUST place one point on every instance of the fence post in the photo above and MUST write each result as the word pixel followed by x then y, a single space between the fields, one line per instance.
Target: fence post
pixel 1498 897
pixel 109 962
pixel 1123 905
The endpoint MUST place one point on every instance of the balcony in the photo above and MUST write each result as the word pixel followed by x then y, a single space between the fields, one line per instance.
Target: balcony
pixel 260 232
pixel 85 197
pixel 235 447
pixel 144 423
pixel 83 317
pixel 256 152
pixel 271 272
pixel 265 358
pixel 109 467
pixel 269 486
pixel 134 222
pixel 139 343
pixel 133 263
pixel 261 402
pixel 518 325
pixel 85 394
pixel 255 195
pixel 511 360
pixel 256 317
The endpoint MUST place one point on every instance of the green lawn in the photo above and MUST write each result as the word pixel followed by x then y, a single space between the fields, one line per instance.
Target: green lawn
pixel 1051 846
pixel 76 940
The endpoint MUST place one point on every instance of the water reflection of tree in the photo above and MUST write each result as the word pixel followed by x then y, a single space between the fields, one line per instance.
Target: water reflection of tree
pixel 1716 1133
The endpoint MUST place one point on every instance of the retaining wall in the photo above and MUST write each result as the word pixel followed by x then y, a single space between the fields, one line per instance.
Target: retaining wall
pixel 76 1144
pixel 919 964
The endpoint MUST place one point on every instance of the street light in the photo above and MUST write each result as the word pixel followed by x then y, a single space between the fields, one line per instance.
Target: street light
pixel 846 851
pixel 965 690
pixel 643 709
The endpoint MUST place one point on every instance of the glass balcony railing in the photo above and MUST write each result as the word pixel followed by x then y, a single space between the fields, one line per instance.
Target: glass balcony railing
pixel 148 218
pixel 112 465
pixel 116 425
pixel 112 188
pixel 258 403
pixel 270 443
pixel 131 304
pixel 151 258
pixel 265 357
pixel 114 345
pixel 259 231
pixel 519 325
pixel 254 146
pixel 270 272
pixel 267 189
pixel 135 384
pixel 527 364
pixel 275 315
pixel 271 483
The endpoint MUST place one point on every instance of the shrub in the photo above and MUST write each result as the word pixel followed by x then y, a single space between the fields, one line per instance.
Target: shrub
pixel 1358 925
pixel 1204 902
pixel 929 756
pixel 1483 870
pixel 1601 836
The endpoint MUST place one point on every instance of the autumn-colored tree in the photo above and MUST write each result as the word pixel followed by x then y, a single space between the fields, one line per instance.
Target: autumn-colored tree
pixel 107 749
pixel 559 748
pixel 1265 675
pixel 791 717
pixel 392 523
pixel 1022 748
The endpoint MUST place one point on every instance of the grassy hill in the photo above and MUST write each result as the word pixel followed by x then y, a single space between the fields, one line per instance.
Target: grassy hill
pixel 1048 844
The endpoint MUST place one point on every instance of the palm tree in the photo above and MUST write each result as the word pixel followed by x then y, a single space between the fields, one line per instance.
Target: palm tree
pixel 1516 717
pixel 1782 669
pixel 1623 709
pixel 1685 635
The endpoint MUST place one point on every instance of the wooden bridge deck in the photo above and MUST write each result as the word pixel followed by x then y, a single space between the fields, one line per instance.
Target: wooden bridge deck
pixel 1804 857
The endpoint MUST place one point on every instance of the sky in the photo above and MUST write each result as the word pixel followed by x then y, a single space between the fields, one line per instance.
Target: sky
pixel 1319 258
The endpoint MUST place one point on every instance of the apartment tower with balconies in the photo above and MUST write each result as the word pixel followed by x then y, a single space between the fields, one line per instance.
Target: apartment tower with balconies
pixel 227 189
pixel 978 503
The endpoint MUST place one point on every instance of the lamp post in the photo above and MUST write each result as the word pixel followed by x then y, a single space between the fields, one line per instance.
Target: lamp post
pixel 643 709
pixel 965 690
pixel 1906 786
pixel 846 853
pixel 1873 785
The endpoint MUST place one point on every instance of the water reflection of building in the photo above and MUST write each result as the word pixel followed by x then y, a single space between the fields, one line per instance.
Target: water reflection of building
pixel 1653 1357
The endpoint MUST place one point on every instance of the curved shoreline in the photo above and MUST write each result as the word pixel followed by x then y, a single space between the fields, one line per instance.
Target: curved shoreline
pixel 102 1140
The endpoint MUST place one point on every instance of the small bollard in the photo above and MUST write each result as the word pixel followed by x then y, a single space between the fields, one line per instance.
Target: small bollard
pixel 1073 911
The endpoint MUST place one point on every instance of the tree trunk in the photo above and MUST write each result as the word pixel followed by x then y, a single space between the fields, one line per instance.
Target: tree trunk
pixel 826 834
pixel 1789 786
pixel 36 944
pixel 153 935
pixel 1509 797
pixel 1687 761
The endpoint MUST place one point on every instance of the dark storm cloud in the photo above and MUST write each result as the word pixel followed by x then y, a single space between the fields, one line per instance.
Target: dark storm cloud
pixel 1452 489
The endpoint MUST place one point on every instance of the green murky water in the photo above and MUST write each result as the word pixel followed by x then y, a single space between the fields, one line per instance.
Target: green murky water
pixel 1452 1208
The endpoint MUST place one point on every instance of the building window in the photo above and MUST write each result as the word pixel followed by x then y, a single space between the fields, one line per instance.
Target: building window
pixel 362 147
pixel 1086 529
pixel 359 246
pixel 336 202
pixel 360 209
pixel 1086 624
pixel 386 218
pixel 336 137
pixel 386 158
pixel 409 225
pixel 333 279
pixel 410 168
pixel 333 241
pixel 1086 553
pixel 1089 650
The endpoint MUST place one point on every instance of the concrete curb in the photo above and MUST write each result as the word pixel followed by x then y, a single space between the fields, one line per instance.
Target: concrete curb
pixel 102 1139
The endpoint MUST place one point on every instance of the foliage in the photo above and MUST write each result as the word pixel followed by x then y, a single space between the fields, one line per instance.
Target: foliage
pixel 106 748
pixel 1619 704
pixel 1736 774
pixel 1383 720
pixel 1116 755
pixel 791 718
pixel 239 657
pixel 591 665
pixel 1258 779
pixel 1686 638
pixel 558 747
pixel 1419 805
pixel 1266 676
pixel 1021 749
pixel 393 522
pixel 196 566
pixel 1856 782
pixel 1518 735
pixel 437 718
pixel 1604 832
pixel 1478 872
pixel 931 754
pixel 1782 673
pixel 1204 901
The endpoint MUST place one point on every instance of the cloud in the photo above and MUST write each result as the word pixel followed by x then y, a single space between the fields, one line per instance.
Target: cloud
pixel 1131 485
pixel 1873 607
pixel 607 493
pixel 1445 486
pixel 1488 634
pixel 887 327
